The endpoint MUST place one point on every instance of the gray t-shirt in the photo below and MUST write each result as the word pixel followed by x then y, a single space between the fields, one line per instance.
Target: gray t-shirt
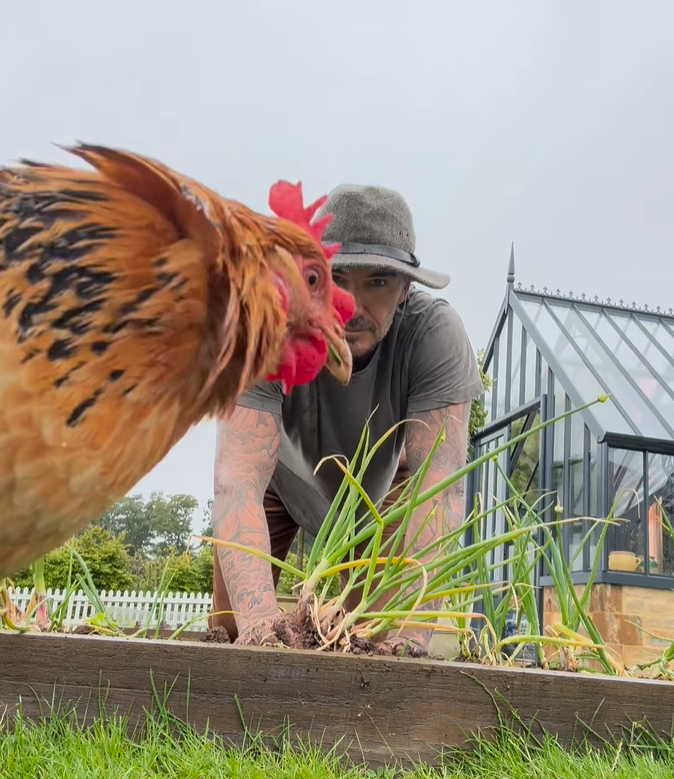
pixel 425 362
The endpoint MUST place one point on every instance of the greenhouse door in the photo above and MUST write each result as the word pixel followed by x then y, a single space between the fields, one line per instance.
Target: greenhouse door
pixel 523 468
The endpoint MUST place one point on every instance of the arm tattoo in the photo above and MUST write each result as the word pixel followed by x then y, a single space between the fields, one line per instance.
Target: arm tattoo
pixel 449 457
pixel 247 453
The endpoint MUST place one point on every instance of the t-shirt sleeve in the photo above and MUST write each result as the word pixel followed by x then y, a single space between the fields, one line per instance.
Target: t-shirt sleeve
pixel 443 365
pixel 266 396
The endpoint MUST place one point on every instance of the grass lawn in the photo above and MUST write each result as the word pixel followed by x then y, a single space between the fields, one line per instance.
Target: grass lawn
pixel 60 749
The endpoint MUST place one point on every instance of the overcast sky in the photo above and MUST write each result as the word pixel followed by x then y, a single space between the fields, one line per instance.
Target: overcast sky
pixel 547 123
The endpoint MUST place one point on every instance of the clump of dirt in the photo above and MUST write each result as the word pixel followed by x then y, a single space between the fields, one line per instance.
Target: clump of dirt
pixel 309 635
pixel 284 631
pixel 217 635
pixel 84 630
pixel 365 646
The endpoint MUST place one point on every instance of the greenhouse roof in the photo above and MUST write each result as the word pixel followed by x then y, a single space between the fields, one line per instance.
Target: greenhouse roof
pixel 597 347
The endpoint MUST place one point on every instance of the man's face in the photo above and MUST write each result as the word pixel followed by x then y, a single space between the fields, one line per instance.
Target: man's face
pixel 377 294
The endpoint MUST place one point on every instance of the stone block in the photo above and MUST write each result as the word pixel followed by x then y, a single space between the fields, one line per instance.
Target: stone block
pixel 627 630
pixel 607 597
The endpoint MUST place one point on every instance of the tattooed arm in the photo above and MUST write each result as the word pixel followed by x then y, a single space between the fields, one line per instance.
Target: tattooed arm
pixel 449 457
pixel 246 456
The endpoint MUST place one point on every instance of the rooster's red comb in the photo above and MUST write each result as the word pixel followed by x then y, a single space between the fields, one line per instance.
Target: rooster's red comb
pixel 287 202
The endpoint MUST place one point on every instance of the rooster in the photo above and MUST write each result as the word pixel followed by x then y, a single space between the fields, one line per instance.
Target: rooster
pixel 135 302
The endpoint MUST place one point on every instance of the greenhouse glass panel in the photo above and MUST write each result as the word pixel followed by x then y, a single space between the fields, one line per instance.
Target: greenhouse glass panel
pixel 502 380
pixel 594 499
pixel 626 481
pixel 660 332
pixel 647 507
pixel 530 392
pixel 558 445
pixel 660 502
pixel 643 420
pixel 586 384
pixel 525 467
pixel 516 363
pixel 542 377
pixel 649 384
pixel 576 488
pixel 653 353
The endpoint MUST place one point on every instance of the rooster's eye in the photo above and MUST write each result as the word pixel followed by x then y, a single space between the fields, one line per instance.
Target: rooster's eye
pixel 312 278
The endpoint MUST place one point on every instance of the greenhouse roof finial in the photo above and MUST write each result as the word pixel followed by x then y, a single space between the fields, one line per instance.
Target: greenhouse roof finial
pixel 510 278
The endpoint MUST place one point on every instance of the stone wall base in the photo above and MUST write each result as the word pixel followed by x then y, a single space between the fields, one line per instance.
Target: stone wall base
pixel 635 622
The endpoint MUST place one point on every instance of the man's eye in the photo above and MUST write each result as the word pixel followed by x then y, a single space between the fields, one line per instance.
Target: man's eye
pixel 378 282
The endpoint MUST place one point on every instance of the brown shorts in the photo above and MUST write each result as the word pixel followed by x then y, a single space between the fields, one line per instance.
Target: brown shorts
pixel 282 532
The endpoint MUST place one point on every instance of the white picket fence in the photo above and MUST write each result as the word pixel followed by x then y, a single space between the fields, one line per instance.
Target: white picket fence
pixel 129 608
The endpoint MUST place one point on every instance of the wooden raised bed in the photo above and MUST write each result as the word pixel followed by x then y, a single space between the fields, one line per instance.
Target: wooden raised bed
pixel 383 710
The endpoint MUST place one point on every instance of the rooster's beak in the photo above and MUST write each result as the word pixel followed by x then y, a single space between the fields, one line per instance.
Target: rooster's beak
pixel 339 362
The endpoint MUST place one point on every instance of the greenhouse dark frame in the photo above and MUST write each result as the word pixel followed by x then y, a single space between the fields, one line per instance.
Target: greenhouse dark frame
pixel 549 353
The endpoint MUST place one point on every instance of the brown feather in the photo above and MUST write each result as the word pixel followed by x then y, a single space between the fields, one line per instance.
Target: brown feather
pixel 133 302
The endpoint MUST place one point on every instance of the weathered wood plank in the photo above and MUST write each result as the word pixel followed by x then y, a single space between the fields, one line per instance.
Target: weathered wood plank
pixel 384 710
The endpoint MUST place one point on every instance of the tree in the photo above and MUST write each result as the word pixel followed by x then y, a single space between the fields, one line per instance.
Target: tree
pixel 130 520
pixel 104 554
pixel 191 571
pixel 156 525
pixel 171 520
pixel 207 529
pixel 203 568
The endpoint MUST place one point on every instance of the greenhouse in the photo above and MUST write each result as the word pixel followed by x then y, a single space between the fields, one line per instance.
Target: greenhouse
pixel 553 352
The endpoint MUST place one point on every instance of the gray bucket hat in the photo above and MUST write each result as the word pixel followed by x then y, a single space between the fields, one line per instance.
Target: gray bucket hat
pixel 375 228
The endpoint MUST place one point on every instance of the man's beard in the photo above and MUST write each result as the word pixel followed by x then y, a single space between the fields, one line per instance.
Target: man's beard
pixel 364 324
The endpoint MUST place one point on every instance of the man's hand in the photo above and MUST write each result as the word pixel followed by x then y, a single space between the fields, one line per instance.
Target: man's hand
pixel 280 628
pixel 246 456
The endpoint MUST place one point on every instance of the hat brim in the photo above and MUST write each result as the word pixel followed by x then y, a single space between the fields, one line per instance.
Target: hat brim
pixel 423 276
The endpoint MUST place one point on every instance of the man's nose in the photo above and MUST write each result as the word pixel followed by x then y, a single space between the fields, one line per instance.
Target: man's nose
pixel 360 305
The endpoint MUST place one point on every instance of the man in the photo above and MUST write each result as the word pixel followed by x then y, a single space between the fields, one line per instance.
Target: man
pixel 412 359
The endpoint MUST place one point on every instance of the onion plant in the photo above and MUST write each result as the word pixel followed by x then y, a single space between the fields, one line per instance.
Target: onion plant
pixel 393 585
pixel 448 570
pixel 13 618
pixel 37 617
